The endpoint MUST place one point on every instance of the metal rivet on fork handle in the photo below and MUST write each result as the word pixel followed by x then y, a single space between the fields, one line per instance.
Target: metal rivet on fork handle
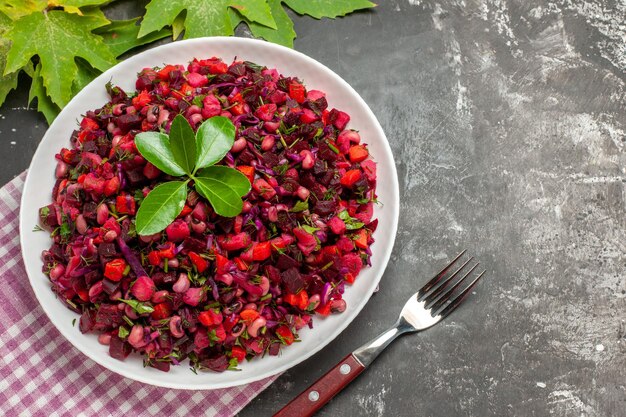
pixel 314 396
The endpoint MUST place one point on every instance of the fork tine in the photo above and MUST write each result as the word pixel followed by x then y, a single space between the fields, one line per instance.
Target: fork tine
pixel 430 284
pixel 438 290
pixel 444 292
pixel 444 310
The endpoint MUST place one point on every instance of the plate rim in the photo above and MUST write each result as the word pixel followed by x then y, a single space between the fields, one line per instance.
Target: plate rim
pixel 385 255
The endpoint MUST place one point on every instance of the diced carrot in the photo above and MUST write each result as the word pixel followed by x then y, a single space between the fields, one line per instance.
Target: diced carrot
pixel 358 153
pixel 297 92
pixel 360 239
pixel 350 177
pixel 249 315
pixel 248 171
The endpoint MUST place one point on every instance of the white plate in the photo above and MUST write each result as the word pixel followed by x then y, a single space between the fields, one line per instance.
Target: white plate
pixel 40 181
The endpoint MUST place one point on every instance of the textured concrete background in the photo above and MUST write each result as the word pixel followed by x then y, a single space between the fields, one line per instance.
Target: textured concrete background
pixel 507 120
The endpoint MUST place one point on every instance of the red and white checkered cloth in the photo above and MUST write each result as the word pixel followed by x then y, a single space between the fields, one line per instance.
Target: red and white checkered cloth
pixel 42 374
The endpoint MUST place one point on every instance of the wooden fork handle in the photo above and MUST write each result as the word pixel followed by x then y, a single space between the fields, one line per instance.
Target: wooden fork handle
pixel 324 389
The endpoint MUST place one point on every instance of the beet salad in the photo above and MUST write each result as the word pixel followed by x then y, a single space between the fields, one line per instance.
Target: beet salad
pixel 210 215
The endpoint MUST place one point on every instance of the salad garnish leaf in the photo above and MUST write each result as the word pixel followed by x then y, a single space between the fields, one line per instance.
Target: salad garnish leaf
pixel 191 155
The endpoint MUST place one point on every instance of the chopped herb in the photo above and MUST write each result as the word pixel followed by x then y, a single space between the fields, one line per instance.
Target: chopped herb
pixel 123 332
pixel 197 100
pixel 232 364
pixel 138 306
pixel 332 147
pixel 281 169
pixel 310 229
pixel 351 222
pixel 300 206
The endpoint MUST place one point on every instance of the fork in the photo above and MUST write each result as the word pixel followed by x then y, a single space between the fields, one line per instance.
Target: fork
pixel 428 306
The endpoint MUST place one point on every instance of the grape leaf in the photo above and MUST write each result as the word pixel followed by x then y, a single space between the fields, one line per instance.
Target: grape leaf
pixel 97 14
pixel 327 8
pixel 121 36
pixel 7 82
pixel 160 207
pixel 155 147
pixel 178 25
pixel 84 76
pixel 223 187
pixel 183 143
pixel 38 91
pixel 18 8
pixel 214 139
pixel 203 18
pixel 57 38
pixel 255 11
pixel 283 35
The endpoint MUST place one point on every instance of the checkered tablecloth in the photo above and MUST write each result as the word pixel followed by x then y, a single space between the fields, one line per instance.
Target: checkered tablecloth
pixel 42 374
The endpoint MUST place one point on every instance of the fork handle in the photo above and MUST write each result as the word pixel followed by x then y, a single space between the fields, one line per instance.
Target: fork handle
pixel 324 389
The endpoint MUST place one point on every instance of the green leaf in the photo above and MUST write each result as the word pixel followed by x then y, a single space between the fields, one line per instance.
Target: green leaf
pixel 121 36
pixel 255 11
pixel 57 38
pixel 354 225
pixel 183 143
pixel 97 14
pixel 84 76
pixel 351 222
pixel 155 147
pixel 78 3
pixel 310 229
pixel 38 91
pixel 18 8
pixel 300 206
pixel 138 306
pixel 214 139
pixel 160 207
pixel 178 25
pixel 223 187
pixel 283 35
pixel 343 215
pixel 123 332
pixel 327 8
pixel 7 82
pixel 206 18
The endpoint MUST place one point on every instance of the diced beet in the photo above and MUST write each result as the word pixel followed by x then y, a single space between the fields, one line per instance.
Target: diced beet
pixel 216 364
pixel 110 286
pixel 292 280
pixel 127 122
pixel 92 277
pixel 325 152
pixel 325 207
pixel 286 262
pixel 118 348
pixel 87 321
pixel 106 252
pixel 164 278
pixel 195 245
pixel 274 349
pixel 136 176
pixel 108 317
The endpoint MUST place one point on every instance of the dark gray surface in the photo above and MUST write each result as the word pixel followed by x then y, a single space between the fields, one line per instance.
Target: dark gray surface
pixel 507 122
